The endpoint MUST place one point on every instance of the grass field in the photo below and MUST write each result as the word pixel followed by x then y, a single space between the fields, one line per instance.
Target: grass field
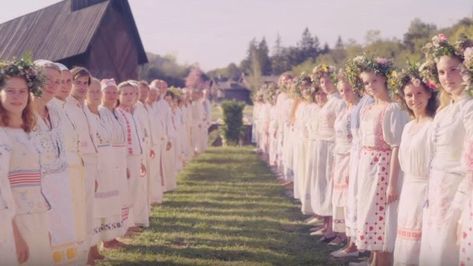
pixel 228 210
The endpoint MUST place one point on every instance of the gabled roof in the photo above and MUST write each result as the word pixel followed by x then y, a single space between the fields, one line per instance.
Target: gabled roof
pixel 62 30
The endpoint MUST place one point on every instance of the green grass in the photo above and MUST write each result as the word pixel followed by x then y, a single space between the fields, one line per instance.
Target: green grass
pixel 228 210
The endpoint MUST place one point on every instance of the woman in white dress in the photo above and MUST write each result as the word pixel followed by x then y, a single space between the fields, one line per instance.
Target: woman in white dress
pixel 7 204
pixel 322 186
pixel 136 171
pixel 466 231
pixel 452 125
pixel 414 159
pixel 299 133
pixel 342 148
pixel 30 223
pixel 317 101
pixel 56 183
pixel 381 126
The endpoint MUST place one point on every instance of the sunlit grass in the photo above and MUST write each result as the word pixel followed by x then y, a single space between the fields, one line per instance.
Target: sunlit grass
pixel 228 210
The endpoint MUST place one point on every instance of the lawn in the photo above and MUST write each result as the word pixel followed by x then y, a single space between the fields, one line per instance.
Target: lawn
pixel 228 210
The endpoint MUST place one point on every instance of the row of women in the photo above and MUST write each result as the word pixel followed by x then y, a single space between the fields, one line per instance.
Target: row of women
pixel 382 156
pixel 83 160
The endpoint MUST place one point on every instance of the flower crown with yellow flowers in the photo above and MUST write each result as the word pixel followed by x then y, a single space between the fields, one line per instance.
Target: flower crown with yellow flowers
pixel 364 63
pixel 23 68
pixel 322 70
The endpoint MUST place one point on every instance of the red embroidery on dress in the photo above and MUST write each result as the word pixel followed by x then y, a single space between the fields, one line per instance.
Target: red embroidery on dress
pixel 128 132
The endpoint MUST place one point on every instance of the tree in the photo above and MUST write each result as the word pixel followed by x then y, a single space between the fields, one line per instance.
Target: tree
pixel 308 46
pixel 262 55
pixel 418 34
pixel 277 49
pixel 339 44
pixel 165 68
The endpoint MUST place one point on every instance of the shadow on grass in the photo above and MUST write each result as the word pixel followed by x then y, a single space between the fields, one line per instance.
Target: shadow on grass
pixel 228 210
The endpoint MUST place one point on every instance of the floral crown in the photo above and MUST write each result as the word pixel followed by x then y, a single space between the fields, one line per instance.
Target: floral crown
pixel 324 70
pixel 468 63
pixel 440 46
pixel 355 66
pixel 270 92
pixel 416 74
pixel 302 79
pixel 24 68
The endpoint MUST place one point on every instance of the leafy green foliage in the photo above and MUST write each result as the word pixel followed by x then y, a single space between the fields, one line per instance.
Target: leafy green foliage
pixel 232 121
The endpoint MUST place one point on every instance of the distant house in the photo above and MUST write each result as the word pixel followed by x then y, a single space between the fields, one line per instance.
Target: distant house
pixel 100 35
pixel 227 90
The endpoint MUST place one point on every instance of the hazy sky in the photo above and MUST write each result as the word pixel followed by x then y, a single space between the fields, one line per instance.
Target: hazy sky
pixel 217 32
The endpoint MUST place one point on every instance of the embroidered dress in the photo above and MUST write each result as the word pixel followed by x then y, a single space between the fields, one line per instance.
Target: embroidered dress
pixel 117 158
pixel 30 204
pixel 350 215
pixel 170 155
pixel 466 236
pixel 414 156
pixel 343 139
pixel 76 169
pixel 451 126
pixel 380 130
pixel 56 186
pixel 7 205
pixel 88 152
pixel 136 181
pixel 322 172
pixel 107 207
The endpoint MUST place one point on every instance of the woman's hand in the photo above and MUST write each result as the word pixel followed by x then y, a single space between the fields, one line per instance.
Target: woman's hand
pixel 152 154
pixel 391 194
pixel 22 250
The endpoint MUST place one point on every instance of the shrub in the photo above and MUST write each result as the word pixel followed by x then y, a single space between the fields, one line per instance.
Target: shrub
pixel 232 121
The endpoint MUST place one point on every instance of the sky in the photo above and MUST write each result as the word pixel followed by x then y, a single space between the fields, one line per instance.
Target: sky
pixel 214 33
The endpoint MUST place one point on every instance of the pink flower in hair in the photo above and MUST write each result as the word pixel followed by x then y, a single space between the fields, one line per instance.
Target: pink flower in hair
pixel 431 85
pixel 442 37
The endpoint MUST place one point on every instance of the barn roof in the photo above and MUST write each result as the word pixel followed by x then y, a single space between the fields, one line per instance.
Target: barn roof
pixel 62 30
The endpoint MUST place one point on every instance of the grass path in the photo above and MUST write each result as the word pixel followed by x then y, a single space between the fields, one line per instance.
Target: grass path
pixel 228 210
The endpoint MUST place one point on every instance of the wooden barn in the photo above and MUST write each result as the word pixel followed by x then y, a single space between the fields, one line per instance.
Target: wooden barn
pixel 229 90
pixel 100 35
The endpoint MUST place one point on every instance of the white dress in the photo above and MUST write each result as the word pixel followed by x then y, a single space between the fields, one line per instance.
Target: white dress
pixel 300 136
pixel 31 206
pixel 56 185
pixel 341 170
pixel 141 116
pixel 282 117
pixel 88 152
pixel 451 127
pixel 7 205
pixel 117 158
pixel 288 141
pixel 312 130
pixel 76 168
pixel 350 210
pixel 273 140
pixel 414 156
pixel 136 182
pixel 322 172
pixel 107 207
pixel 158 143
pixel 380 132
